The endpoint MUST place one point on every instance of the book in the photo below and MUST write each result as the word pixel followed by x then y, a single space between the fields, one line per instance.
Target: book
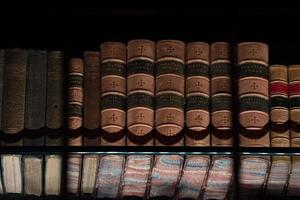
pixel 12 173
pixel 53 175
pixel 294 91
pixel 293 189
pixel 140 91
pixel 169 109
pixel 89 174
pixel 193 177
pixel 33 175
pixel 197 94
pixel 253 85
pixel 221 74
pixel 74 124
pixel 35 107
pixel 197 86
pixel 91 99
pixel 165 175
pixel 55 90
pixel 253 175
pixel 113 93
pixel 1 185
pixel 1 79
pixel 136 176
pixel 219 178
pixel 14 87
pixel 109 176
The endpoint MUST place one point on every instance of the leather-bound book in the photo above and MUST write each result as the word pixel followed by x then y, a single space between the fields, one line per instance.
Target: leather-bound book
pixel 253 85
pixel 91 120
pixel 13 111
pixel 1 185
pixel 75 122
pixel 113 93
pixel 197 94
pixel 140 91
pixel 294 92
pixel 91 98
pixel 219 178
pixel 35 115
pixel 280 132
pixel 55 98
pixel 14 87
pixel 169 95
pixel 221 94
pixel 54 122
pixel 108 183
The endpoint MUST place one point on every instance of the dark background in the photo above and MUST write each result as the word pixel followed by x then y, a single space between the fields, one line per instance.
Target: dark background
pixel 77 28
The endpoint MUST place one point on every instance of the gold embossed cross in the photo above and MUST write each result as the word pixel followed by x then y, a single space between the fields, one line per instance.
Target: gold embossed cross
pixel 170 117
pixel 114 84
pixel 170 49
pixel 223 52
pixel 141 83
pixel 141 49
pixel 252 52
pixel 140 116
pixel 198 84
pixel 254 120
pixel 254 86
pixel 113 117
pixel 199 118
pixel 224 120
pixel 198 51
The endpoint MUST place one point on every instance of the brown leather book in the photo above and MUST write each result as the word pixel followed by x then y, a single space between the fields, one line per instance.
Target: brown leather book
pixel 14 86
pixel 140 91
pixel 221 94
pixel 55 98
pixel 113 93
pixel 169 110
pixel 253 85
pixel 1 79
pixel 91 99
pixel 197 94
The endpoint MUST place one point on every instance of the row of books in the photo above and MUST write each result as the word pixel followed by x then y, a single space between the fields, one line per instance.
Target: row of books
pixel 117 176
pixel 144 86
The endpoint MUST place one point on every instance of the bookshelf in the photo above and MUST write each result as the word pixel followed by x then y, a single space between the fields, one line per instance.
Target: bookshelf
pixel 74 30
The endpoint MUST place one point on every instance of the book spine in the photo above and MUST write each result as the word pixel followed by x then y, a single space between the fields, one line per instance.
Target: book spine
pixel 53 175
pixel 170 71
pixel 136 175
pixel 219 178
pixel 140 91
pixel 109 176
pixel 89 174
pixel 197 94
pixel 294 184
pixel 91 85
pixel 36 89
pixel 14 86
pixel 253 85
pixel 197 86
pixel 55 90
pixel 33 172
pixel 221 94
pixel 165 175
pixel 12 173
pixel 193 177
pixel 294 92
pixel 113 92
pixel 1 80
pixel 35 107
